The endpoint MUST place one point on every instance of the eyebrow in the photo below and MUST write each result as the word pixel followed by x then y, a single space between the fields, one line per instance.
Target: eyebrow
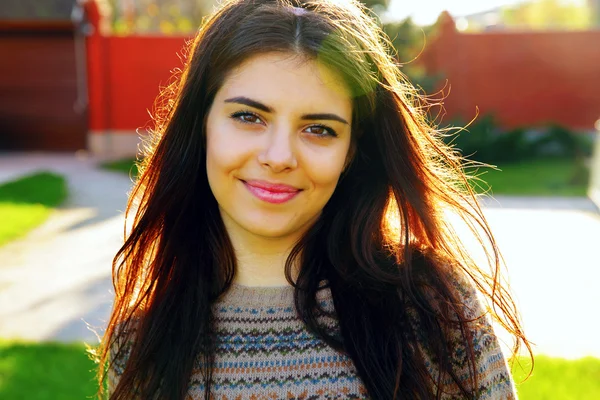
pixel 255 104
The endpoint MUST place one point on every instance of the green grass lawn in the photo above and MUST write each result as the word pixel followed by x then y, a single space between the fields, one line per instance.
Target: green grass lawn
pixel 26 202
pixel 45 371
pixel 64 371
pixel 544 177
pixel 559 379
pixel 127 165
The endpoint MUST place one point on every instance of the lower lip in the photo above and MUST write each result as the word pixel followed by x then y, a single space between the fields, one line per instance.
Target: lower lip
pixel 271 197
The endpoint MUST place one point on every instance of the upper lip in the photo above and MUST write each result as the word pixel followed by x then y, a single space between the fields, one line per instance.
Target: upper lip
pixel 272 186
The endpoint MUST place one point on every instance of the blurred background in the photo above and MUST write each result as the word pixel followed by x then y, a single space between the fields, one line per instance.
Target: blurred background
pixel 78 80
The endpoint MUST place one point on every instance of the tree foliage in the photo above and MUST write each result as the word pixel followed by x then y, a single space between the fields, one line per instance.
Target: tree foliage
pixel 409 41
pixel 547 14
pixel 166 17
pixel 376 4
pixel 173 17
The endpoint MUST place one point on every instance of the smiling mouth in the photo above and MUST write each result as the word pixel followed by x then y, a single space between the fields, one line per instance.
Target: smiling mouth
pixel 275 193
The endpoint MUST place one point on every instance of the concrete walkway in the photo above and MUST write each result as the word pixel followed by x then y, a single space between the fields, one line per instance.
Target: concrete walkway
pixel 552 251
pixel 58 278
pixel 554 262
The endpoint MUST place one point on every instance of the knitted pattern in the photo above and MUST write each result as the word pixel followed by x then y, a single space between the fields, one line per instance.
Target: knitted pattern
pixel 494 379
pixel 264 351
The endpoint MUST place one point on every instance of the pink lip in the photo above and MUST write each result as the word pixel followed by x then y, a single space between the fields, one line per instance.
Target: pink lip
pixel 275 193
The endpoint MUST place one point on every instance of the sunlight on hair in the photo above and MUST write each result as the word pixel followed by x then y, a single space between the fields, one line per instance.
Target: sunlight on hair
pixel 406 190
pixel 392 222
pixel 341 2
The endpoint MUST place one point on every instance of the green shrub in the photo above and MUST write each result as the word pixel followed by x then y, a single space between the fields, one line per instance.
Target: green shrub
pixel 475 140
pixel 511 146
pixel 560 141
pixel 484 141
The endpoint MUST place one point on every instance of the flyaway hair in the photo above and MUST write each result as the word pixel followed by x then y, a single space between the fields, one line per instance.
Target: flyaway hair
pixel 384 241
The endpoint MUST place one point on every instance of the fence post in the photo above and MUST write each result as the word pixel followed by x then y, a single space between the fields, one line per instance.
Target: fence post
pixel 594 188
pixel 98 13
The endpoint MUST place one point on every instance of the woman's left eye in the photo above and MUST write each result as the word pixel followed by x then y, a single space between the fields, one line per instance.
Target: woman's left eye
pixel 245 117
pixel 322 130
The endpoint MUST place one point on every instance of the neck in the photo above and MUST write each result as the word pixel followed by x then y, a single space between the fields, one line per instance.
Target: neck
pixel 261 269
pixel 261 260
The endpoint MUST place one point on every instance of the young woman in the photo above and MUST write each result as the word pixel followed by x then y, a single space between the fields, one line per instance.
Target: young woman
pixel 290 238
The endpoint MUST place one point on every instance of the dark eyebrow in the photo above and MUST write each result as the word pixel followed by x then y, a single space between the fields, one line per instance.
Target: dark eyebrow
pixel 249 102
pixel 265 108
pixel 326 116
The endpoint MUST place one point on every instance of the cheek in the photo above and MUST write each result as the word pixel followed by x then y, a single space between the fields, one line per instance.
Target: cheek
pixel 223 153
pixel 325 172
pixel 221 162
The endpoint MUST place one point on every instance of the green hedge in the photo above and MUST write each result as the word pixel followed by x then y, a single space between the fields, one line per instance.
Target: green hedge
pixel 484 141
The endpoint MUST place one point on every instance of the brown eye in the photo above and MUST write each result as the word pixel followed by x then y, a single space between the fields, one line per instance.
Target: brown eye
pixel 318 130
pixel 246 117
pixel 249 118
pixel 321 130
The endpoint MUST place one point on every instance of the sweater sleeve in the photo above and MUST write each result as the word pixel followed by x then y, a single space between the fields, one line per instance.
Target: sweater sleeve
pixel 494 380
pixel 118 355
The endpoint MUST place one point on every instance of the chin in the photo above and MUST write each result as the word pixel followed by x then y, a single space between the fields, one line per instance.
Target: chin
pixel 274 226
pixel 272 231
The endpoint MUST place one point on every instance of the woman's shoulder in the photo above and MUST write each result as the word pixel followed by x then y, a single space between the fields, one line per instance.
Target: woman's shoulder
pixel 467 293
pixel 447 283
pixel 120 347
pixel 476 331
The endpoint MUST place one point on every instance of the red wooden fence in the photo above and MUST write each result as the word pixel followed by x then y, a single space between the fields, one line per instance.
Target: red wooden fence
pixel 124 78
pixel 523 78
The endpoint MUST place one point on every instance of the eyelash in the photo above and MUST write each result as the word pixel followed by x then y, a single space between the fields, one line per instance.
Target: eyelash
pixel 237 115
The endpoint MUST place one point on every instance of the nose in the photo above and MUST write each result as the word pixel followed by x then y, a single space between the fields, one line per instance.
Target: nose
pixel 278 154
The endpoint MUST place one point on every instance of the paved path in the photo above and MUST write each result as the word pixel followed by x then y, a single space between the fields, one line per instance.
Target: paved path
pixel 59 276
pixel 552 252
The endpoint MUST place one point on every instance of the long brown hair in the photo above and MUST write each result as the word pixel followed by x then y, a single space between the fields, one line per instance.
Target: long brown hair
pixel 383 241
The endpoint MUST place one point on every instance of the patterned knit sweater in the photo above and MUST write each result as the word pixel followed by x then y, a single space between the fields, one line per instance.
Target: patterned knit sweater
pixel 265 352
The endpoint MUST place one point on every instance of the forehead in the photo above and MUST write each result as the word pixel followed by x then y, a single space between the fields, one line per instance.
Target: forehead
pixel 282 80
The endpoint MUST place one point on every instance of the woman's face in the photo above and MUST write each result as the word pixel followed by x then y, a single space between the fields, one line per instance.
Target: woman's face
pixel 278 137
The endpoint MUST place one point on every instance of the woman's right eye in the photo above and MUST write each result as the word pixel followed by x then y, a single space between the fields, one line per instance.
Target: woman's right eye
pixel 246 117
